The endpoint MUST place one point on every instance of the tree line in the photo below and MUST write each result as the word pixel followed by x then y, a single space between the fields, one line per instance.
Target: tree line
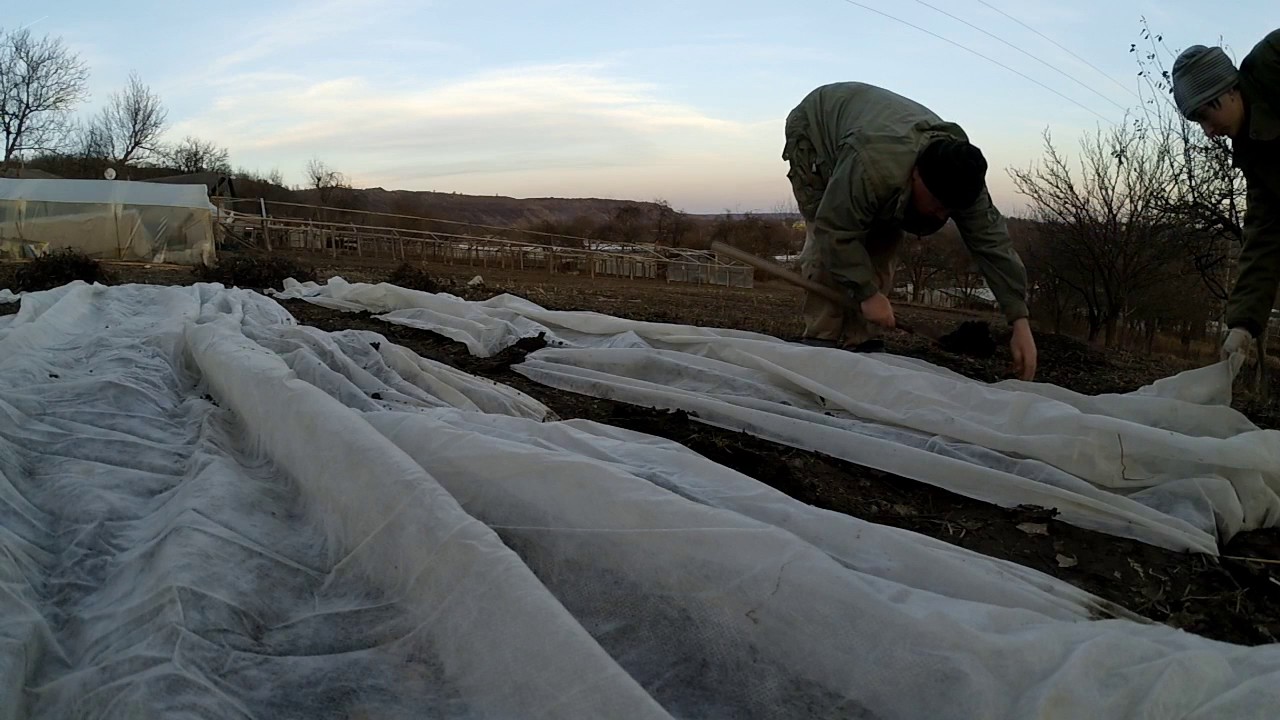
pixel 1138 236
pixel 43 85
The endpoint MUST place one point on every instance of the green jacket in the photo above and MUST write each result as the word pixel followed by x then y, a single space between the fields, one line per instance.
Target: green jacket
pixel 857 144
pixel 1257 154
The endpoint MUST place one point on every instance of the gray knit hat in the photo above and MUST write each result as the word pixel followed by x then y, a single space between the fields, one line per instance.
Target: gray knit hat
pixel 1200 75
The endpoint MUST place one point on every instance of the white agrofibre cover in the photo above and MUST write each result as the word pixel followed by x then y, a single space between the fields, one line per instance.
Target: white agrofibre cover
pixel 209 511
pixel 1171 464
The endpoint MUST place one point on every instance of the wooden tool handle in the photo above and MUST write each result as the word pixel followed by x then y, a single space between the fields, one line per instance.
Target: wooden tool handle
pixel 782 273
pixel 794 278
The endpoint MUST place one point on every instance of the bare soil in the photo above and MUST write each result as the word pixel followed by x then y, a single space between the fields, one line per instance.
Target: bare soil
pixel 1222 598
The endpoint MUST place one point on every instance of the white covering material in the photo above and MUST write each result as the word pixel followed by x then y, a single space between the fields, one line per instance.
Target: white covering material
pixel 107 192
pixel 1164 464
pixel 207 511
pixel 110 219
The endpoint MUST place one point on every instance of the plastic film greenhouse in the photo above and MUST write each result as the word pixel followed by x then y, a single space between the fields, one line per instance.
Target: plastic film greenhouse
pixel 105 219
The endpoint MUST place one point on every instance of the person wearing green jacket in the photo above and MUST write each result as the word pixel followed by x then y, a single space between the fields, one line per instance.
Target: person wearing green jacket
pixel 866 166
pixel 1244 105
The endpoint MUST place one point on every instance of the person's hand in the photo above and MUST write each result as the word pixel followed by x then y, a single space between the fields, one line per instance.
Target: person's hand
pixel 878 310
pixel 1023 347
pixel 1238 340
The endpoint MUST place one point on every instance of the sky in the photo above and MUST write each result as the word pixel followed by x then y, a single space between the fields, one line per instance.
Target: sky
pixel 680 100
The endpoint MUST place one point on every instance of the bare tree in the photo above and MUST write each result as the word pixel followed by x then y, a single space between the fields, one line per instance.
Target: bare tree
pixel 924 260
pixel 754 233
pixel 966 279
pixel 1179 306
pixel 1208 197
pixel 41 82
pixel 324 179
pixel 131 123
pixel 89 142
pixel 1109 236
pixel 560 233
pixel 274 177
pixel 194 155
pixel 626 225
pixel 670 225
pixel 1049 295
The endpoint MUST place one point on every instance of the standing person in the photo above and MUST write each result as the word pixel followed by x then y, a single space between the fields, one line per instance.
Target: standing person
pixel 867 165
pixel 1244 105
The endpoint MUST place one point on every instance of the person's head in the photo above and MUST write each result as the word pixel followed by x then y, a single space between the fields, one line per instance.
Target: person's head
pixel 1206 91
pixel 949 175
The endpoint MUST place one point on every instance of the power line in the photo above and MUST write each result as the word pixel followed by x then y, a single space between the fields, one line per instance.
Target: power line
pixel 1023 75
pixel 1119 84
pixel 1024 52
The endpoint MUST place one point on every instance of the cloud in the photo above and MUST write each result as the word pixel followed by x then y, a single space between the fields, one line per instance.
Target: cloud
pixel 296 26
pixel 569 129
pixel 572 127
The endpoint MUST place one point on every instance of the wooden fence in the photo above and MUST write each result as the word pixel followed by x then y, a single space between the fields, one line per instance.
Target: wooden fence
pixel 450 248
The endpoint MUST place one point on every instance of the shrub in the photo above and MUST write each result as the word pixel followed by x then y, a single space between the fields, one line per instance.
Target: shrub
pixel 414 278
pixel 256 272
pixel 56 269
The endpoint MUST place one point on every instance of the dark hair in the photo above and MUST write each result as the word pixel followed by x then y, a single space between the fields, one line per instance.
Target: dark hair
pixel 954 171
pixel 1197 114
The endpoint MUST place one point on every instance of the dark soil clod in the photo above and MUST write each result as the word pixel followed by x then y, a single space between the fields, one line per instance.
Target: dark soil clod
pixel 252 271
pixel 973 337
pixel 414 278
pixel 57 269
pixel 527 345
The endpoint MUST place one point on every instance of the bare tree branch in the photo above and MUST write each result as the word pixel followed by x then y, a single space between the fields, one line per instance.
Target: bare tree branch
pixel 132 122
pixel 41 81
pixel 1208 197
pixel 670 225
pixel 1106 234
pixel 327 181
pixel 89 142
pixel 925 259
pixel 194 155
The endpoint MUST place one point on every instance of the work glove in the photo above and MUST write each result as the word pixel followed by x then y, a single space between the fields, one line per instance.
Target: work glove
pixel 1238 341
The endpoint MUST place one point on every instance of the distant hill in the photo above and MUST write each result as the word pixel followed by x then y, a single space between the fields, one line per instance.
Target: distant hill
pixel 783 216
pixel 481 209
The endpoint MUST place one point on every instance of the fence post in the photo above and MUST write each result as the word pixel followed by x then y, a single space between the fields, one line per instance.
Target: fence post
pixel 266 235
